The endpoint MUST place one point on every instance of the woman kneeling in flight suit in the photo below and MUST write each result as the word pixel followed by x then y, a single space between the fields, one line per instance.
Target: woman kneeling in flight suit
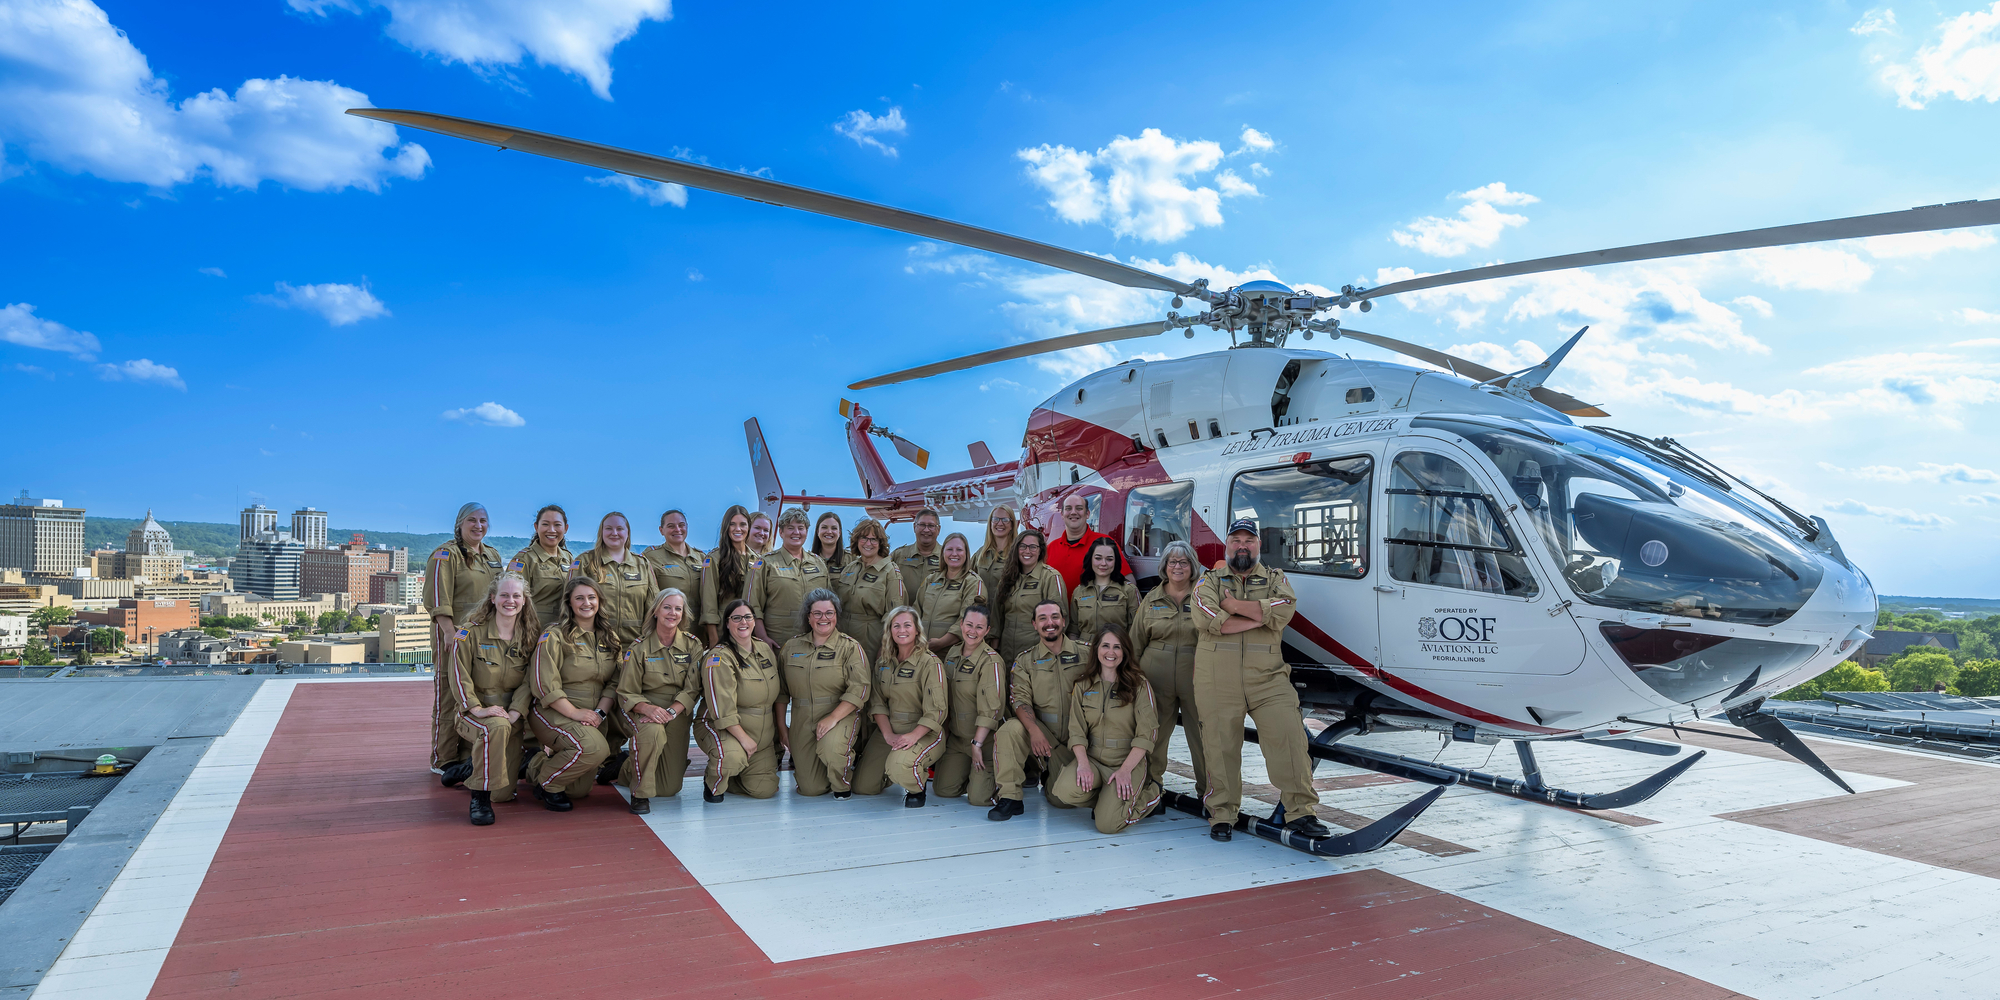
pixel 978 683
pixel 1112 724
pixel 826 678
pixel 489 684
pixel 908 703
pixel 658 689
pixel 575 665
pixel 741 688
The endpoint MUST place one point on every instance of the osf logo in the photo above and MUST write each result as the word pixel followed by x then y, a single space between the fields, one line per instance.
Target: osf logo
pixel 1457 629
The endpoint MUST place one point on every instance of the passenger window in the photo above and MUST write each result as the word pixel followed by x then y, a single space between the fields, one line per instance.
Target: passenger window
pixel 1314 517
pixel 1156 515
pixel 1445 531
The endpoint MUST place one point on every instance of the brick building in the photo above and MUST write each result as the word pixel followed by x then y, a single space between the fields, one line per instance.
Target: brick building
pixel 135 617
pixel 349 568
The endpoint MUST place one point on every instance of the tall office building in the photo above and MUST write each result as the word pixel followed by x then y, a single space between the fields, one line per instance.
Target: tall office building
pixel 254 521
pixel 41 536
pixel 268 565
pixel 309 527
pixel 149 553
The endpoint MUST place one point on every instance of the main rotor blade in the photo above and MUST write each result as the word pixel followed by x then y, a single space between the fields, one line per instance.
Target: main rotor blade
pixel 1063 343
pixel 672 171
pixel 1929 218
pixel 1477 372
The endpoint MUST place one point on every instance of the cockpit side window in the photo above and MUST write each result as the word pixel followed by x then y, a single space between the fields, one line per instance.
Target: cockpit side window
pixel 1313 516
pixel 1157 515
pixel 1445 531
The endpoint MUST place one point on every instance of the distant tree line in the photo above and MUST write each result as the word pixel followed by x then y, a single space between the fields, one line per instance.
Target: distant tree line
pixel 1973 670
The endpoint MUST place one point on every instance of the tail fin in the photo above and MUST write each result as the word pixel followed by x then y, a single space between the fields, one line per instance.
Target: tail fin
pixel 982 456
pixel 770 494
pixel 875 478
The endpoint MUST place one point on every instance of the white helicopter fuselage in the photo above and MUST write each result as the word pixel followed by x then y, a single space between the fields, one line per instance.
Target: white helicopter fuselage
pixel 1529 602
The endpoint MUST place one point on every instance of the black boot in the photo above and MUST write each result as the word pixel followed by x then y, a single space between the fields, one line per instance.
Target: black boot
pixel 1309 826
pixel 641 807
pixel 556 801
pixel 1032 779
pixel 1005 809
pixel 913 800
pixel 843 795
pixel 456 774
pixel 1220 831
pixel 482 808
pixel 708 796
pixel 607 772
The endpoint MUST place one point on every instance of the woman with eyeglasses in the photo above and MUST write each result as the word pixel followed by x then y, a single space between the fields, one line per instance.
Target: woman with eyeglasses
pixel 826 543
pixel 1028 581
pixel 544 562
pixel 658 689
pixel 677 565
pixel 1103 596
pixel 576 663
pixel 728 571
pixel 1164 638
pixel 624 581
pixel 978 684
pixel 949 591
pixel 783 582
pixel 1112 726
pixel 869 586
pixel 742 689
pixel 907 701
pixel 990 562
pixel 826 680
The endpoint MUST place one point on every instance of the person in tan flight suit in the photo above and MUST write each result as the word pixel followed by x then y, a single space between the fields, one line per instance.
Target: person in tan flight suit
pixel 1039 694
pixel 460 573
pixel 1027 582
pixel 677 564
pixel 990 562
pixel 787 574
pixel 659 687
pixel 742 690
pixel 544 562
pixel 489 687
pixel 1113 728
pixel 944 597
pixel 829 542
pixel 1103 595
pixel 1165 637
pixel 908 702
pixel 826 678
pixel 869 586
pixel 728 571
pixel 1241 609
pixel 978 683
pixel 760 533
pixel 576 663
pixel 919 559
pixel 624 581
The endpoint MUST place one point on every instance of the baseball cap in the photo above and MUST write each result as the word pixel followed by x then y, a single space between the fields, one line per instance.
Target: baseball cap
pixel 1242 524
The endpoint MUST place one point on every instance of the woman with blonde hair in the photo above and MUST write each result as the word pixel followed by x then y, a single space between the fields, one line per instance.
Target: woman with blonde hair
pixel 659 686
pixel 576 663
pixel 1113 724
pixel 729 570
pixel 990 562
pixel 826 679
pixel 1163 641
pixel 545 561
pixel 760 533
pixel 1028 581
pixel 742 689
pixel 869 586
pixel 948 592
pixel 457 578
pixel 488 668
pixel 978 684
pixel 624 581
pixel 908 702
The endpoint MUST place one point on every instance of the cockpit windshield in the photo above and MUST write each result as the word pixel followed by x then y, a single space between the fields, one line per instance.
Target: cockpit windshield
pixel 1637 534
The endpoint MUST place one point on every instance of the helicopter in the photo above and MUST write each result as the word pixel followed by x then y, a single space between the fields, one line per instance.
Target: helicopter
pixel 1468 558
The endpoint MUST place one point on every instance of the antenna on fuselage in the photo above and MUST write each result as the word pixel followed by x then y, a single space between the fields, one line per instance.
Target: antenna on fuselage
pixel 1521 384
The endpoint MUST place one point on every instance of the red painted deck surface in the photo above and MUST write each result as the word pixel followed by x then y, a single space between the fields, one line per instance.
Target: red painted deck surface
pixel 347 871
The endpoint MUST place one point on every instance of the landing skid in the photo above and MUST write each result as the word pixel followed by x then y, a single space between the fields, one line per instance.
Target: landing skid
pixel 1529 786
pixel 1371 837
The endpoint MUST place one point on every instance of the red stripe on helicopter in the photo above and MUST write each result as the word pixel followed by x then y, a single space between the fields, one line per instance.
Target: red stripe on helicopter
pixel 1318 637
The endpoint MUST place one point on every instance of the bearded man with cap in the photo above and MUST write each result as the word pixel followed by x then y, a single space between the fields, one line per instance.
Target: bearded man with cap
pixel 455 584
pixel 1240 611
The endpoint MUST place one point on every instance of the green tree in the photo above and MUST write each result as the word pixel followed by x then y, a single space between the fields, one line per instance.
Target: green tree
pixel 1921 670
pixel 1975 646
pixel 45 617
pixel 37 654
pixel 219 633
pixel 82 654
pixel 304 618
pixel 105 640
pixel 330 621
pixel 1846 676
pixel 1979 678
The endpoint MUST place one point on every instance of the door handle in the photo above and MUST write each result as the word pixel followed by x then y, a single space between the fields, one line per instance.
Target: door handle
pixel 1384 590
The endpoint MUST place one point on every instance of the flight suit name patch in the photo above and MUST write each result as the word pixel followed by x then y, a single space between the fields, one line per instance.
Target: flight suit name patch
pixel 867 578
pixel 1067 658
pixel 906 672
pixel 827 654
pixel 683 658
pixel 492 564
pixel 631 576
pixel 1257 581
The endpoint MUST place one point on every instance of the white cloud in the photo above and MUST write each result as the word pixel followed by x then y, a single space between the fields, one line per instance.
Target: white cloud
pixel 341 305
pixel 1980 342
pixel 694 274
pixel 1963 62
pixel 1981 499
pixel 1931 384
pixel 1478 225
pixel 1255 141
pixel 19 325
pixel 1144 189
pixel 575 36
pixel 1881 21
pixel 489 413
pixel 1926 244
pixel 1894 515
pixel 864 128
pixel 654 193
pixel 142 370
pixel 213 272
pixel 1971 315
pixel 1813 267
pixel 75 93
pixel 1754 304
pixel 1925 472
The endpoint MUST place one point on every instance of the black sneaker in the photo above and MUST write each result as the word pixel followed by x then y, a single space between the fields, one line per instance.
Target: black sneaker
pixel 913 800
pixel 554 801
pixel 607 772
pixel 641 807
pixel 1005 809
pixel 1221 831
pixel 843 795
pixel 1032 779
pixel 708 796
pixel 482 809
pixel 456 774
pixel 1309 826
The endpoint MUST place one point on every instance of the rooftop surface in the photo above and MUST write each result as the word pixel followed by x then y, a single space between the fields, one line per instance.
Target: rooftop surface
pixel 283 839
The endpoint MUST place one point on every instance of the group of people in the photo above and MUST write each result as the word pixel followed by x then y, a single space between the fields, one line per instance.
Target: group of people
pixel 932 666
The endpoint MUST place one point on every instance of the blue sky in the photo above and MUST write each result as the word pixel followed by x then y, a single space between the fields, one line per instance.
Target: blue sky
pixel 219 286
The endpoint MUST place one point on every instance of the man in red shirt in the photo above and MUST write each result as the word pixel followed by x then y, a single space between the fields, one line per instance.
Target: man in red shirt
pixel 1067 549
